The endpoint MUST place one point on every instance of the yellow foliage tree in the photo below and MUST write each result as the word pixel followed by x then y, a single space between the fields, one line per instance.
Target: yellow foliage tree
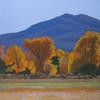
pixel 15 58
pixel 50 69
pixel 30 62
pixel 60 53
pixel 88 47
pixel 60 59
pixel 53 70
pixel 31 67
pixel 74 61
pixel 64 64
pixel 97 55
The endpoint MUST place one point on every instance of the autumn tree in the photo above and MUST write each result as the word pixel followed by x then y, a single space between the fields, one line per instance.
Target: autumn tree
pixel 42 49
pixel 64 64
pixel 89 47
pixel 97 55
pixel 30 63
pixel 15 59
pixel 60 53
pixel 50 69
pixel 57 58
pixel 53 70
pixel 74 61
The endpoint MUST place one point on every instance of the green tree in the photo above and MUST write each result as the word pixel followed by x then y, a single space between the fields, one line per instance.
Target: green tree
pixel 87 69
pixel 56 61
pixel 2 66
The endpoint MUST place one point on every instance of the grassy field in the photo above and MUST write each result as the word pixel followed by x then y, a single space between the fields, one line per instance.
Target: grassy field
pixel 49 89
pixel 50 84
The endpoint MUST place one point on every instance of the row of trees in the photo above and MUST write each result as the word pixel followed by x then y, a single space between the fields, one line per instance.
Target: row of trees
pixel 42 56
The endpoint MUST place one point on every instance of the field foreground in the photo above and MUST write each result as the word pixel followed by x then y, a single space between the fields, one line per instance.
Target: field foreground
pixel 49 90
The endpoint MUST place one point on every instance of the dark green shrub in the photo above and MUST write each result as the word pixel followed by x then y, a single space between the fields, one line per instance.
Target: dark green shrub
pixel 87 69
pixel 98 71
pixel 56 61
pixel 2 67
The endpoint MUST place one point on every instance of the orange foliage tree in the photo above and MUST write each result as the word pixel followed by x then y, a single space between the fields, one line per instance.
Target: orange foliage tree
pixel 71 60
pixel 64 63
pixel 97 55
pixel 42 49
pixel 15 59
pixel 60 53
pixel 30 62
pixel 88 47
pixel 75 61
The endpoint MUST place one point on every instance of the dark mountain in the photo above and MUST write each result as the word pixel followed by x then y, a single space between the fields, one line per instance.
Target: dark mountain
pixel 65 30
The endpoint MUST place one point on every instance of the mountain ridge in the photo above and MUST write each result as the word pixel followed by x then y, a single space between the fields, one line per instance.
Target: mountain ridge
pixel 65 30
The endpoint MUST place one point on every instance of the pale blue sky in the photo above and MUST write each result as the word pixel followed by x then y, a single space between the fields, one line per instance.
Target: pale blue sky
pixel 17 15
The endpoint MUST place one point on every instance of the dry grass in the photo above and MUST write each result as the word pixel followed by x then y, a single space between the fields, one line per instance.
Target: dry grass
pixel 50 94
pixel 50 90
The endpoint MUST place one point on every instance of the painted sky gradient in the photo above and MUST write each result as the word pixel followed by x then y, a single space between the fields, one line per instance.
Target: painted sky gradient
pixel 17 15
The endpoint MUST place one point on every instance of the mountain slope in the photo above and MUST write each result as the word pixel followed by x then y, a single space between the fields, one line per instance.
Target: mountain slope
pixel 65 30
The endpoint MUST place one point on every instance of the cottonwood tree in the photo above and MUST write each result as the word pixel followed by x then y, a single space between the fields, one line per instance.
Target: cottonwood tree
pixel 15 59
pixel 89 47
pixel 42 49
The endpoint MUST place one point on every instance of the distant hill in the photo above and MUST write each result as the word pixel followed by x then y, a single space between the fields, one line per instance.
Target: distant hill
pixel 65 30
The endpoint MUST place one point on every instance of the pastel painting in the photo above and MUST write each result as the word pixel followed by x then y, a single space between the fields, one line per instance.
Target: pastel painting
pixel 49 50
